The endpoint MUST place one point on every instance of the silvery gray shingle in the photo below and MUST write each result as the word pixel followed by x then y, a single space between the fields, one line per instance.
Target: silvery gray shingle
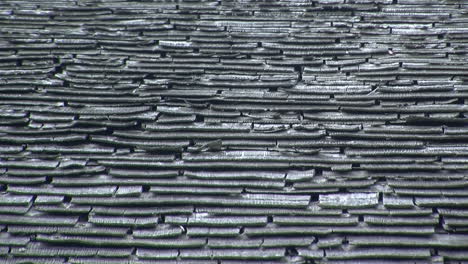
pixel 224 243
pixel 142 210
pixel 387 253
pixel 293 221
pixel 213 231
pixel 157 233
pixel 380 220
pixel 436 240
pixel 156 254
pixel 246 254
pixel 47 221
pixel 89 191
pixel 352 200
pixel 122 242
pixel 199 190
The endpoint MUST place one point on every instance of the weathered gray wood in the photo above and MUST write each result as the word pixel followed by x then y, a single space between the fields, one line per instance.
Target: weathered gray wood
pixel 351 200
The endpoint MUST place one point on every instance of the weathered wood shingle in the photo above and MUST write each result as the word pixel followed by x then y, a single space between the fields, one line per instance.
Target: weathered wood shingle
pixel 231 131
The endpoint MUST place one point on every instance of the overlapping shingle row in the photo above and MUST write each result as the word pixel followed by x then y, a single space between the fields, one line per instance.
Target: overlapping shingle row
pixel 327 131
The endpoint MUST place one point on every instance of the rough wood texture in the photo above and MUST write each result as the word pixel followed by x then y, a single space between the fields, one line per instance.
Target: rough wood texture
pixel 233 131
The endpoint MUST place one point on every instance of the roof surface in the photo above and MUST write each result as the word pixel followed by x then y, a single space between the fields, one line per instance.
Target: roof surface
pixel 184 132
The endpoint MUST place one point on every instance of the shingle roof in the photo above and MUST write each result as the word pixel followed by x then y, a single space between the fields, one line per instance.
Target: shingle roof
pixel 233 131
